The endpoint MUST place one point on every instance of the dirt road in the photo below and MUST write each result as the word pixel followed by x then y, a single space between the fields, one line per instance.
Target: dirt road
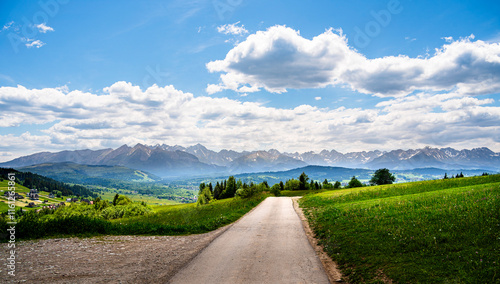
pixel 268 245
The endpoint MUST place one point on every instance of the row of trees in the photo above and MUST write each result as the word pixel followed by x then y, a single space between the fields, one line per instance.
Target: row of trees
pixel 232 187
pixel 380 177
pixel 461 175
pixel 229 188
pixel 303 183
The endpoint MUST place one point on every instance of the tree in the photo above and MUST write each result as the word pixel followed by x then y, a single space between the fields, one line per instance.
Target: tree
pixel 337 185
pixel 217 190
pixel 231 188
pixel 265 184
pixel 115 199
pixel 382 176
pixel 303 178
pixel 204 196
pixel 275 189
pixel 445 176
pixel 292 184
pixel 327 185
pixel 282 185
pixel 354 183
pixel 123 200
pixel 246 191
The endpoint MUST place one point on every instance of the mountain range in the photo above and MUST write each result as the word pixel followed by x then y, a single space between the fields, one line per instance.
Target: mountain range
pixel 177 161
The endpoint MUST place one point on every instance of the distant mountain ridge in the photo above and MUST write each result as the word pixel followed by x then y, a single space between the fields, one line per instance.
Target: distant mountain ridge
pixel 177 161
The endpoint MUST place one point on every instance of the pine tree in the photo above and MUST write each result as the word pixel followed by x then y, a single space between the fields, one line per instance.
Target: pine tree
pixel 115 199
pixel 303 178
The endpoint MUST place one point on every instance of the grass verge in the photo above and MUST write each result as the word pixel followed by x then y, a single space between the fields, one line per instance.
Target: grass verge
pixel 445 231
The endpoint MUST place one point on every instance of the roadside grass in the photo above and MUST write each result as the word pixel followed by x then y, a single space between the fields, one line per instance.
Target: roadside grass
pixel 150 200
pixel 445 231
pixel 188 218
pixel 181 219
pixel 292 193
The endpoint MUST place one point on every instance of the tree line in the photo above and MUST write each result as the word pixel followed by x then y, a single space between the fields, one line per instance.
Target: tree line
pixel 232 187
pixel 31 180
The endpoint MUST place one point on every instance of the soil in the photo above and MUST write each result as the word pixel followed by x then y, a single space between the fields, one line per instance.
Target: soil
pixel 109 259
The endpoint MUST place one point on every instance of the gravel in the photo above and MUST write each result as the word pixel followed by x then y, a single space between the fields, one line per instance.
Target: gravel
pixel 108 259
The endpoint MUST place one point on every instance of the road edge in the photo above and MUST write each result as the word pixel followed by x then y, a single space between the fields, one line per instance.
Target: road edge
pixel 330 267
pixel 217 233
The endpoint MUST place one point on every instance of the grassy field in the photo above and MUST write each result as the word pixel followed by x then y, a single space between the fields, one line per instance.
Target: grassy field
pixel 150 200
pixel 25 201
pixel 444 231
pixel 188 218
pixel 180 219
pixel 291 193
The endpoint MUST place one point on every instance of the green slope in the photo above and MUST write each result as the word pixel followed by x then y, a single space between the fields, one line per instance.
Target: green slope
pixel 443 231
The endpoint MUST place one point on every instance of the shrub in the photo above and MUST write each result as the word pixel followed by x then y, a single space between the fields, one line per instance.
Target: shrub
pixel 275 189
pixel 246 191
pixel 292 184
pixel 354 183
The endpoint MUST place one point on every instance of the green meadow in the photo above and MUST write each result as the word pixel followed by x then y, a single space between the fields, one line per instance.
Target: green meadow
pixel 442 231
pixel 83 220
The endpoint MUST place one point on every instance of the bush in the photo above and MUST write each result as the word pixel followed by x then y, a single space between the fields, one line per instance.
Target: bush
pixel 292 184
pixel 204 196
pixel 246 191
pixel 123 200
pixel 354 183
pixel 275 189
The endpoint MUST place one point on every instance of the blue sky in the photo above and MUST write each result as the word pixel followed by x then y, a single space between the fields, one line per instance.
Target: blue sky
pixel 290 75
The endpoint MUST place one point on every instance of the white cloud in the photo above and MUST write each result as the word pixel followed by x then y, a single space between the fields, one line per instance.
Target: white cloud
pixel 318 98
pixel 7 26
pixel 35 43
pixel 448 39
pixel 232 29
pixel 280 58
pixel 43 28
pixel 127 114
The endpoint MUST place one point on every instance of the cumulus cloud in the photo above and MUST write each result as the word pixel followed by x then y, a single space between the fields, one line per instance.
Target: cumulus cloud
pixel 232 29
pixel 280 58
pixel 35 43
pixel 125 114
pixel 43 28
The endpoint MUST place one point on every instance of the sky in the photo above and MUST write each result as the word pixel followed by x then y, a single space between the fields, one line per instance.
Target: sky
pixel 249 75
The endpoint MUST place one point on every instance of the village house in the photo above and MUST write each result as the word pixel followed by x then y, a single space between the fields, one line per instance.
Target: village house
pixel 51 195
pixel 16 195
pixel 33 194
